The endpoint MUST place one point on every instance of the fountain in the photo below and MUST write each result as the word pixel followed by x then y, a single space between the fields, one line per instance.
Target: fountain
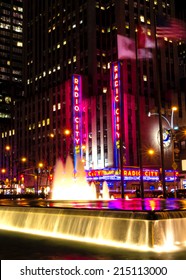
pixel 70 186
pixel 75 213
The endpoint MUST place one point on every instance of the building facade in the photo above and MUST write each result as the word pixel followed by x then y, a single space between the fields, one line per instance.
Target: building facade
pixel 66 38
pixel 11 87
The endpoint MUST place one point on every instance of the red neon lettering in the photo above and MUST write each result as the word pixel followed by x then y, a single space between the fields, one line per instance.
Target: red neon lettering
pixel 117 98
pixel 117 134
pixel 117 118
pixel 77 120
pixel 76 108
pixel 117 111
pixel 116 84
pixel 117 126
pixel 116 76
pixel 76 94
pixel 76 81
pixel 77 140
pixel 115 68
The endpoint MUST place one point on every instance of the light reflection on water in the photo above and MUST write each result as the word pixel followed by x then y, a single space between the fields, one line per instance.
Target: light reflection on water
pixel 117 223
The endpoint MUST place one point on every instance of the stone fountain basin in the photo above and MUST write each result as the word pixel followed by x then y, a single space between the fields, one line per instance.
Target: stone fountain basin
pixel 103 222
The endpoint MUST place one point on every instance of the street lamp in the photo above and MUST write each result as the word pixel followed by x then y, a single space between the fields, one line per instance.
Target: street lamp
pixel 40 166
pixel 171 128
pixel 170 123
pixel 151 152
pixel 9 164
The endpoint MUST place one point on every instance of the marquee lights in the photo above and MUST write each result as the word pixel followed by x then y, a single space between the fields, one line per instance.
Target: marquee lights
pixel 130 174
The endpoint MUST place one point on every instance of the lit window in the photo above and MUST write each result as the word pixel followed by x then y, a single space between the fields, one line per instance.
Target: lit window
pixel 43 122
pixel 48 121
pixel 17 29
pixel 64 42
pixel 19 44
pixel 145 78
pixel 59 106
pixel 54 108
pixel 142 19
pixel 104 90
pixel 20 9
pixel 58 46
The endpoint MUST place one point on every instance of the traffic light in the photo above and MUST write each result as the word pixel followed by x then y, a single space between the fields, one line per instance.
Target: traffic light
pixel 21 177
pixel 50 177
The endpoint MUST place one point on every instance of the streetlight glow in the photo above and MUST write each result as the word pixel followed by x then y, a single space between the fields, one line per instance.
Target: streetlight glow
pixel 174 108
pixel 67 132
pixel 151 152
pixel 7 148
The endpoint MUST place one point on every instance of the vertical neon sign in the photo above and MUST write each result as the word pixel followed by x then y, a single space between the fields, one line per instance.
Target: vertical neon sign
pixel 116 100
pixel 77 116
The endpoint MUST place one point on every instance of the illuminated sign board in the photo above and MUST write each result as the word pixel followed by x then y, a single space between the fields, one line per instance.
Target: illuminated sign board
pixel 130 174
pixel 77 115
pixel 116 103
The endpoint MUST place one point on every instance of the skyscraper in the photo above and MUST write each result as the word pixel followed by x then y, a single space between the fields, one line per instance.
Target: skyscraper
pixel 11 45
pixel 11 89
pixel 63 38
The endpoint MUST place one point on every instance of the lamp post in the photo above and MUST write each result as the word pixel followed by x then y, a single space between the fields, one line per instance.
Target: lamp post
pixel 9 164
pixel 40 165
pixel 3 171
pixel 171 128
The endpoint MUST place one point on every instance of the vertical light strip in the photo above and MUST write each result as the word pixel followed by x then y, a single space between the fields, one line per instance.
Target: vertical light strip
pixel 77 117
pixel 116 99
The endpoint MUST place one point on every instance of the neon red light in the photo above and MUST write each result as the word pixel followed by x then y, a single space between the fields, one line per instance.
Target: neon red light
pixel 117 110
pixel 76 95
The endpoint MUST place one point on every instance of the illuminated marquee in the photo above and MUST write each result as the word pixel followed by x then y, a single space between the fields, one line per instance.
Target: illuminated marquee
pixel 130 174
pixel 116 109
pixel 77 114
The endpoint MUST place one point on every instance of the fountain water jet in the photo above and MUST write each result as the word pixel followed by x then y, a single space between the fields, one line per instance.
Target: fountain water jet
pixel 70 186
pixel 149 224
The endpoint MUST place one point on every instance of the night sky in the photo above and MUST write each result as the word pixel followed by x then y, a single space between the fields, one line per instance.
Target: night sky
pixel 180 4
